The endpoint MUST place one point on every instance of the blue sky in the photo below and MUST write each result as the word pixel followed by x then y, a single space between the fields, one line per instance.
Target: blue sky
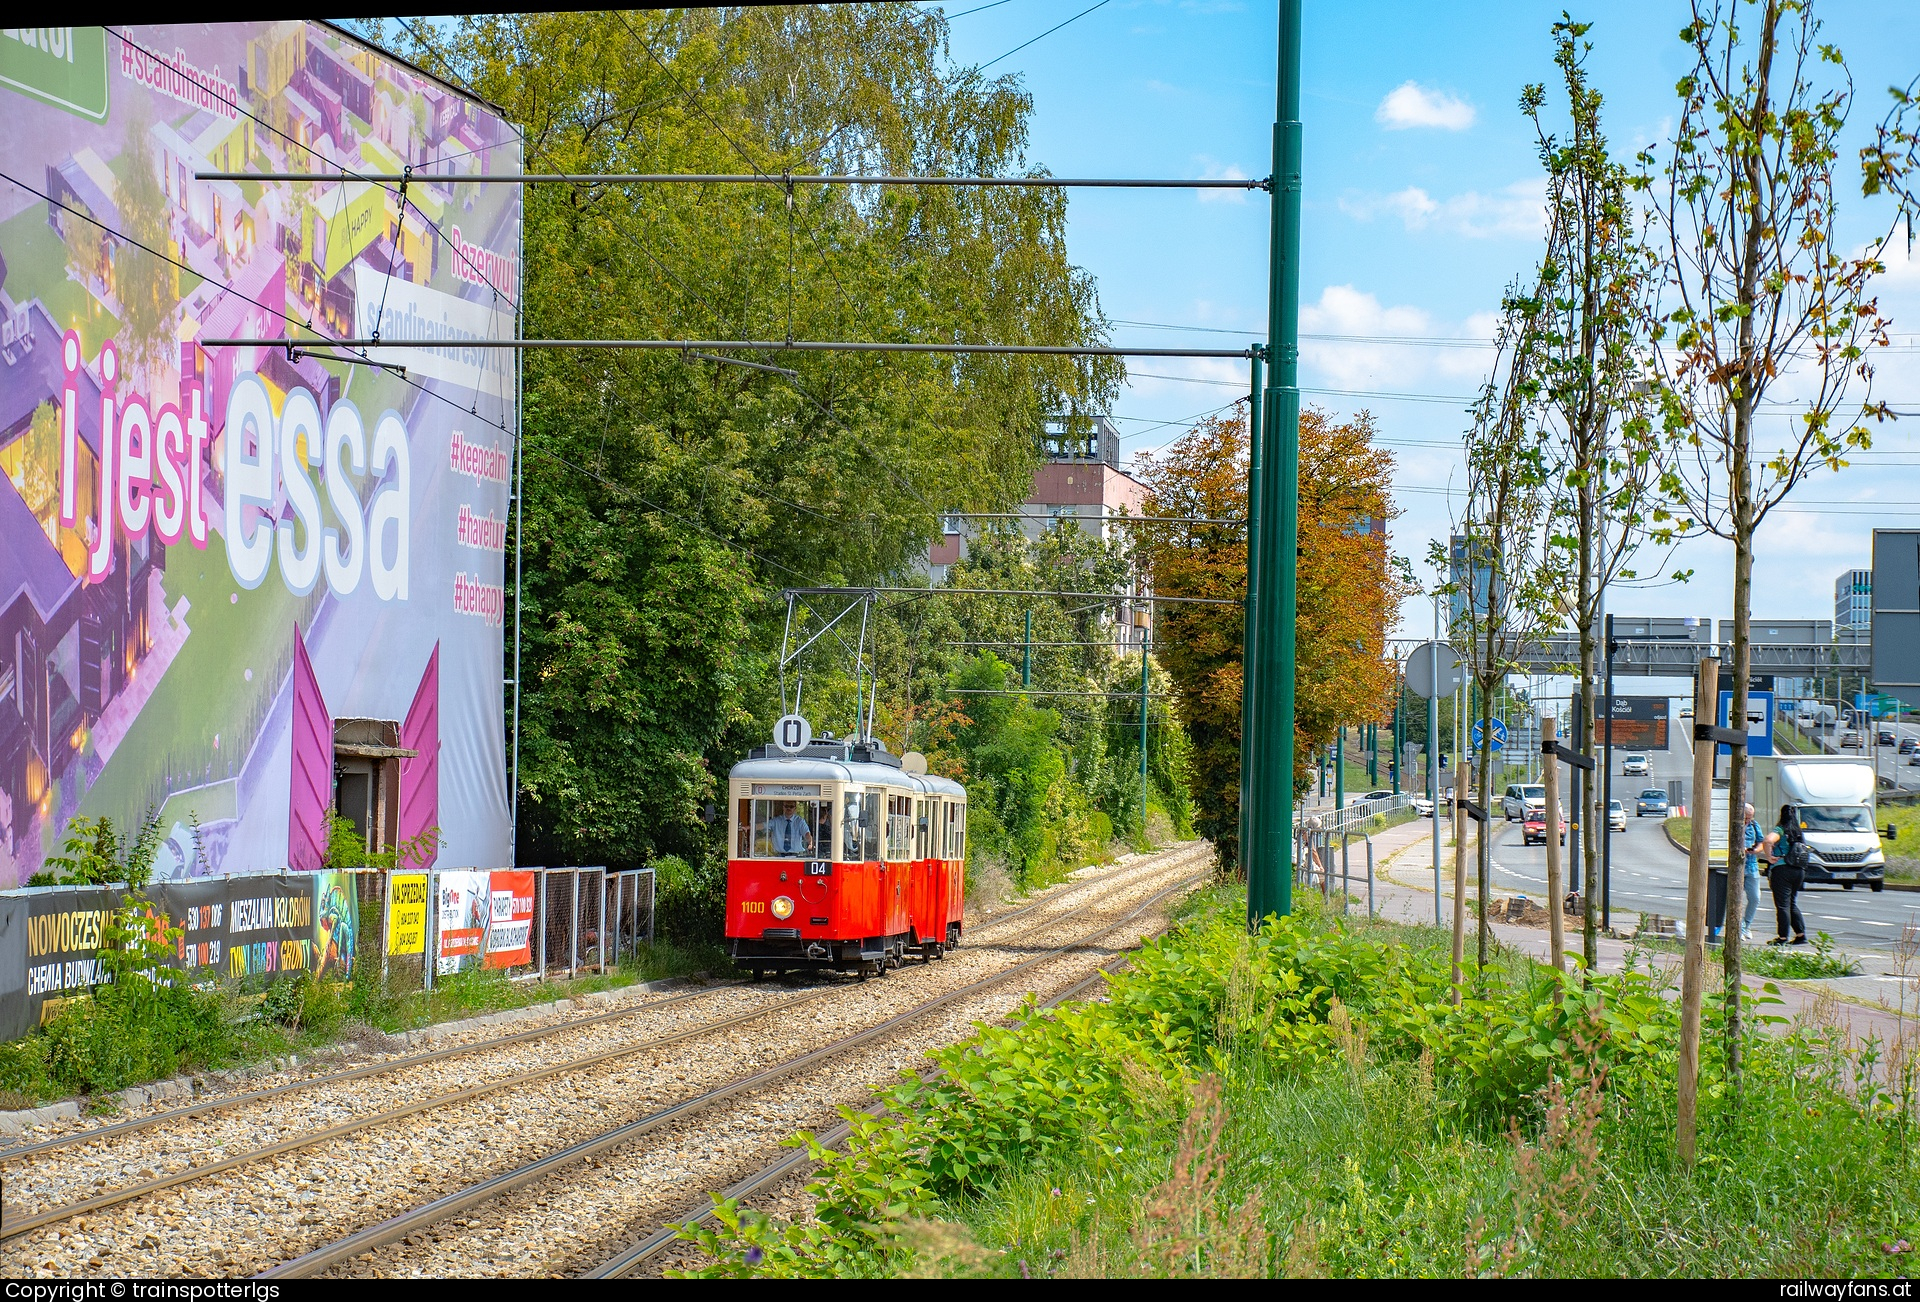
pixel 1422 189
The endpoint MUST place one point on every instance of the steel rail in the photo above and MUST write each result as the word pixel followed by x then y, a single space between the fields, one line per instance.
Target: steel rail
pixel 189 1111
pixel 13 1229
pixel 719 345
pixel 339 1077
pixel 777 1171
pixel 410 1222
pixel 781 179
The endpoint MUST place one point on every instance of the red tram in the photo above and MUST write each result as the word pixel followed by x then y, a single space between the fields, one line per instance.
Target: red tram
pixel 842 859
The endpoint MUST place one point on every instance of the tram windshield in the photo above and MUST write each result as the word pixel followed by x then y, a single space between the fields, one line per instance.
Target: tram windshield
pixel 786 829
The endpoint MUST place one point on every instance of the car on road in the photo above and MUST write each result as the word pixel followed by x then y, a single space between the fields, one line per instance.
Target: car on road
pixel 1422 806
pixel 1534 830
pixel 1884 737
pixel 1522 799
pixel 1616 816
pixel 1914 758
pixel 1908 745
pixel 1651 801
pixel 1635 765
pixel 1371 795
pixel 1850 741
pixel 1686 711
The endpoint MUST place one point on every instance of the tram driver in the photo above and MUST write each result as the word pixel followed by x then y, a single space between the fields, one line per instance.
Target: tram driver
pixel 787 831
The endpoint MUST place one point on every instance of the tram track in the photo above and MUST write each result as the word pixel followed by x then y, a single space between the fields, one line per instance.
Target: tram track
pixel 428 1215
pixel 279 1092
pixel 628 1261
pixel 18 1227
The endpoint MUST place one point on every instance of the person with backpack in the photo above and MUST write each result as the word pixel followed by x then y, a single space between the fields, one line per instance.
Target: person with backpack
pixel 1787 847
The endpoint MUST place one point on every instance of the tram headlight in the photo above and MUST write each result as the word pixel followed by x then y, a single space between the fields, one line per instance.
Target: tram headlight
pixel 782 907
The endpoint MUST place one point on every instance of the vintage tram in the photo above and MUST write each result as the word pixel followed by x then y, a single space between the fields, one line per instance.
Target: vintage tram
pixel 842 858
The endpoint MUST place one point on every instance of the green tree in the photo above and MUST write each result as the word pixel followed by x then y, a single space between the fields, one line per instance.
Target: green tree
pixel 1760 290
pixel 668 497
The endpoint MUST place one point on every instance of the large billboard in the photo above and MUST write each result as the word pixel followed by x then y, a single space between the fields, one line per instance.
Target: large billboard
pixel 242 587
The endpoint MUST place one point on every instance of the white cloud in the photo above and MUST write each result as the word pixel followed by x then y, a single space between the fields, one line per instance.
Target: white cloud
pixel 1517 210
pixel 1212 170
pixel 1413 105
pixel 1366 363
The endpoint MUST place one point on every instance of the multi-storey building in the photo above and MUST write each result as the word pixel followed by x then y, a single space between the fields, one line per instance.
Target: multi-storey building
pixel 1853 600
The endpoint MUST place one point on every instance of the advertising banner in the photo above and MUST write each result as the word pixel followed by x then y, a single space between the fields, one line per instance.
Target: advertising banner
pixel 465 907
pixel 227 565
pixel 1636 722
pixel 407 914
pixel 259 925
pixel 510 939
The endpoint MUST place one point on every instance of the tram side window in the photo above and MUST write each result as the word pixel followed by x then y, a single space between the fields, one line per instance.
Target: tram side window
pixel 950 842
pixel 899 827
pixel 860 828
pixel 791 829
pixel 960 846
pixel 921 832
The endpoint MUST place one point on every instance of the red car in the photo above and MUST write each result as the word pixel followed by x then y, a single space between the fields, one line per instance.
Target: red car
pixel 1534 830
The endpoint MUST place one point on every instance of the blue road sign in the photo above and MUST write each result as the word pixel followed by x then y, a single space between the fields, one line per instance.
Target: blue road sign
pixel 1499 734
pixel 1759 722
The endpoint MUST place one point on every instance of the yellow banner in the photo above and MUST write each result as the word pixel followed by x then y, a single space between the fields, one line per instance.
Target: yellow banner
pixel 407 914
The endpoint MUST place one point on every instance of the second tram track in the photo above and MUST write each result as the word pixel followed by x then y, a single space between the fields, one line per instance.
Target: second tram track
pixel 438 1211
pixel 567 1025
pixel 15 1229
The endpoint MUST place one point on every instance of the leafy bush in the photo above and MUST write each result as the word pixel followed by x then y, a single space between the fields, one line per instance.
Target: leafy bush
pixel 1372 1127
pixel 94 854
pixel 143 1023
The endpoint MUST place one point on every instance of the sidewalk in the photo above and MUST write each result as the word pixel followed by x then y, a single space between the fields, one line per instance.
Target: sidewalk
pixel 1403 892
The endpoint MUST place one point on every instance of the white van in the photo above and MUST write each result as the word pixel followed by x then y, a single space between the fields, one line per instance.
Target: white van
pixel 1834 794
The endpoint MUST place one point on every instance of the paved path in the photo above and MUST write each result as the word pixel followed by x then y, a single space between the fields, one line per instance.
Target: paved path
pixel 1403 892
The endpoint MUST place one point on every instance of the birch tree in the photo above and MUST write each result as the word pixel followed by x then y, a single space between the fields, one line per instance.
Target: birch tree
pixel 1760 295
pixel 1511 577
pixel 1597 281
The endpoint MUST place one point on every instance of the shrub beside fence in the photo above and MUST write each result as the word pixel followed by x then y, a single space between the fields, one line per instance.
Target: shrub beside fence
pixel 533 923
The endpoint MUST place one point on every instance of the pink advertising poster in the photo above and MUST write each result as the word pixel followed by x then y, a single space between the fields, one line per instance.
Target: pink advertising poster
pixel 247 585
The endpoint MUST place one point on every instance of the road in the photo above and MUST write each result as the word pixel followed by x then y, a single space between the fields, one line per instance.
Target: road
pixel 1650 876
pixel 1895 768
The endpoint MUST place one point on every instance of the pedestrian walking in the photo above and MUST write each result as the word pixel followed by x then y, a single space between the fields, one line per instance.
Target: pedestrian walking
pixel 1787 849
pixel 1752 886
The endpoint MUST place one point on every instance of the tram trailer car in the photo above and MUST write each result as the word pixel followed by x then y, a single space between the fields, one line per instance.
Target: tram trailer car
pixel 842 860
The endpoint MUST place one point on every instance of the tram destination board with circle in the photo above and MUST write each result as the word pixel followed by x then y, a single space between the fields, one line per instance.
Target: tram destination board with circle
pixel 1433 669
pixel 792 733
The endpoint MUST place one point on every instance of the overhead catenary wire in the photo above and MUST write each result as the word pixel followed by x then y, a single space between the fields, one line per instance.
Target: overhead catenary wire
pixel 748 345
pixel 757 178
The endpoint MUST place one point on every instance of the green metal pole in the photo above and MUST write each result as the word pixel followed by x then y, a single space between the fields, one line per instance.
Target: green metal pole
pixel 1248 697
pixel 1267 782
pixel 1026 655
pixel 1340 768
pixel 1399 734
pixel 1143 733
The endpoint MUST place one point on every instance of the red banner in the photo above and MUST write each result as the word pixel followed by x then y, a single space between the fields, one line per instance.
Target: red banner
pixel 510 939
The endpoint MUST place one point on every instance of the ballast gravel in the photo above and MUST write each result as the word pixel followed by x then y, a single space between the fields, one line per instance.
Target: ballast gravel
pixel 245 1220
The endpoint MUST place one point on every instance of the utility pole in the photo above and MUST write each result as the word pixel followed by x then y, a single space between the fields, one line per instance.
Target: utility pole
pixel 1026 655
pixel 1399 734
pixel 1249 721
pixel 1606 791
pixel 1144 635
pixel 1266 778
pixel 1433 761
